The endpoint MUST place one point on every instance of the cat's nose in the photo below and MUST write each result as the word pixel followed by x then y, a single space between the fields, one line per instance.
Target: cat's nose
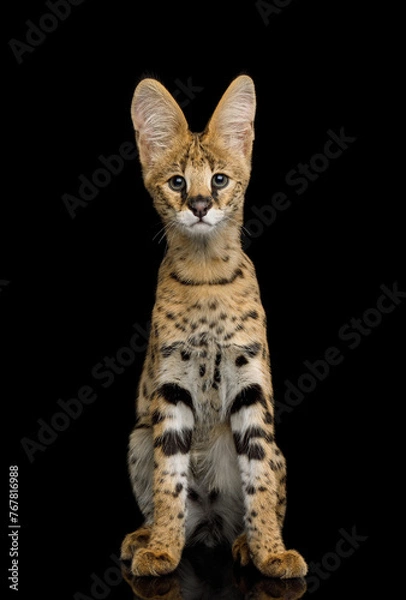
pixel 200 205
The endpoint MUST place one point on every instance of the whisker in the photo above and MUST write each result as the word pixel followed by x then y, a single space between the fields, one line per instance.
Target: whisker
pixel 158 232
pixel 164 230
pixel 244 229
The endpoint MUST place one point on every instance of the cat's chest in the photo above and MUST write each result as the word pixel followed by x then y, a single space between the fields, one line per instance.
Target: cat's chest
pixel 212 355
pixel 211 372
pixel 204 318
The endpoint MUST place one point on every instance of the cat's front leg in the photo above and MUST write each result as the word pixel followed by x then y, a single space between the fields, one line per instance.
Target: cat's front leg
pixel 252 425
pixel 173 420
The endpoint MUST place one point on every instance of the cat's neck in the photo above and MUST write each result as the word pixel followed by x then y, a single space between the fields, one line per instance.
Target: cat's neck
pixel 204 258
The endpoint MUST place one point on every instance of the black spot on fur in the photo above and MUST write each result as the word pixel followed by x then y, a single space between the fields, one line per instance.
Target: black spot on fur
pixel 173 393
pixel 199 340
pixel 178 489
pixel 193 495
pixel 168 349
pixel 185 355
pixel 253 349
pixel 256 452
pixel 213 496
pixel 218 359
pixel 217 375
pixel 250 490
pixel 250 395
pixel 243 441
pixel 173 442
pixel 202 370
pixel 240 361
pixel 252 314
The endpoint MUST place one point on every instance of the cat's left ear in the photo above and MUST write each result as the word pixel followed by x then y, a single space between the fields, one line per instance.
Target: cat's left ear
pixel 232 123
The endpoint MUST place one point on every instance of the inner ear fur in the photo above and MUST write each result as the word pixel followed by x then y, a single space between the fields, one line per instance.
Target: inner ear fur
pixel 157 118
pixel 232 123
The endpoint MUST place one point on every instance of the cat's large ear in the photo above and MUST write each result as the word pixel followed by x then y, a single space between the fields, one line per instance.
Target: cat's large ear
pixel 232 123
pixel 157 119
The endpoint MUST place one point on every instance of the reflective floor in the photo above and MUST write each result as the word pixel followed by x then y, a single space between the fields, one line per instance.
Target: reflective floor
pixel 211 575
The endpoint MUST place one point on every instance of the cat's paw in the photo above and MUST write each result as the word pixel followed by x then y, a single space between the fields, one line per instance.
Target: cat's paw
pixel 148 561
pixel 283 565
pixel 133 541
pixel 241 551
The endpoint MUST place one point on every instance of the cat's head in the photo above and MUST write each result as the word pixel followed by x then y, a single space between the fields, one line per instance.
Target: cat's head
pixel 197 180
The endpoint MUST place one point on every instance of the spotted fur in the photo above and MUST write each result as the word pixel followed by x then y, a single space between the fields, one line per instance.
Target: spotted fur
pixel 203 460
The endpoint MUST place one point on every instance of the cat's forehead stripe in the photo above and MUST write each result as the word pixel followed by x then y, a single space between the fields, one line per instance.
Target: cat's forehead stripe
pixel 197 153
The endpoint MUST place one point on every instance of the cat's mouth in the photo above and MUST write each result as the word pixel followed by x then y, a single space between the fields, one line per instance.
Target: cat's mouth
pixel 201 224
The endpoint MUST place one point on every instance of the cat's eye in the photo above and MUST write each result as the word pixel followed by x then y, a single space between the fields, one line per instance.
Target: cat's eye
pixel 177 183
pixel 219 180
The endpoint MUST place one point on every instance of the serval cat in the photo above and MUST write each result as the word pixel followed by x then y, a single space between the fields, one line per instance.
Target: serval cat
pixel 203 460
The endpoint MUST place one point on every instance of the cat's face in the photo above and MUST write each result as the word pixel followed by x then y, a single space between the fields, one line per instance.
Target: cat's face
pixel 197 181
pixel 199 189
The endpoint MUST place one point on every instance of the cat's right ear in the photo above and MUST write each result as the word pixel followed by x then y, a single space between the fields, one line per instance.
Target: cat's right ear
pixel 158 120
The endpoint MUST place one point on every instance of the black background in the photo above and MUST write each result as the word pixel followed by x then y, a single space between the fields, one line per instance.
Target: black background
pixel 72 289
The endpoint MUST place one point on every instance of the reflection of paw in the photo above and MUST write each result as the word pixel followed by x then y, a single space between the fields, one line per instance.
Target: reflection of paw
pixel 241 551
pixel 148 561
pixel 133 541
pixel 284 565
pixel 150 588
pixel 272 589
